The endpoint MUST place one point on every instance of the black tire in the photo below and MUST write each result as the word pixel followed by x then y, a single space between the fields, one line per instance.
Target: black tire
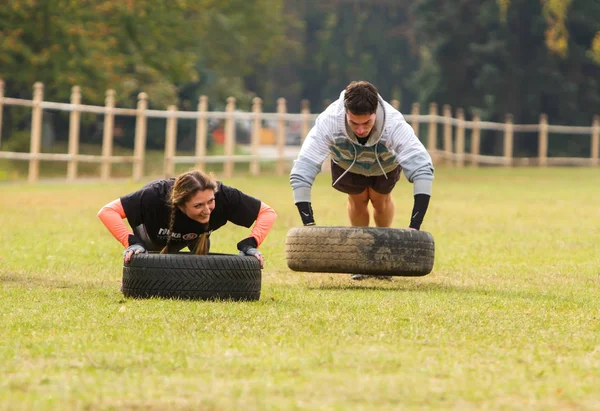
pixel 195 277
pixel 360 250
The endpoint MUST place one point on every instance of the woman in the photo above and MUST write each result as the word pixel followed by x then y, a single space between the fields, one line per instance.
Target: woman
pixel 168 215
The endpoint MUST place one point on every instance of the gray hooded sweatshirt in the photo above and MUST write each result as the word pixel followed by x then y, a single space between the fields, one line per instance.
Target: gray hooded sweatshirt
pixel 391 143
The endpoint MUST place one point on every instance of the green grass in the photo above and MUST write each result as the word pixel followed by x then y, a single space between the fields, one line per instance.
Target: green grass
pixel 508 319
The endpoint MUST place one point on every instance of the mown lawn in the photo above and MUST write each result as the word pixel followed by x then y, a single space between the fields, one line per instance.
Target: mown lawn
pixel 508 319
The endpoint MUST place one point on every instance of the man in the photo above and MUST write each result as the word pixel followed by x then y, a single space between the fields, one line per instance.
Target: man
pixel 370 144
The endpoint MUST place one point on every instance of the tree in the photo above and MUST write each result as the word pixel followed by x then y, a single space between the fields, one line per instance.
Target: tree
pixel 494 57
pixel 344 41
pixel 557 34
pixel 149 45
pixel 168 49
pixel 94 44
pixel 595 49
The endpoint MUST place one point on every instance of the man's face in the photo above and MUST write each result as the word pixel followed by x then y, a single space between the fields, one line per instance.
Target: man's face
pixel 199 206
pixel 360 124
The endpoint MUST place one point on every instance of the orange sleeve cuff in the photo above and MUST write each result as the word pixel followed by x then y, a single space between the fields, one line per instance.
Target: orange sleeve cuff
pixel 112 216
pixel 264 221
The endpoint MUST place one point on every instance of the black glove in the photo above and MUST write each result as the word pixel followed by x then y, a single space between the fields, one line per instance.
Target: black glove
pixel 419 210
pixel 306 213
pixel 132 239
pixel 246 244
pixel 136 246
pixel 248 247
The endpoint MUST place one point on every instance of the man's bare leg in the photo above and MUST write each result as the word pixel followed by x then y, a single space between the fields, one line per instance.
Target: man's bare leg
pixel 383 214
pixel 358 210
pixel 383 208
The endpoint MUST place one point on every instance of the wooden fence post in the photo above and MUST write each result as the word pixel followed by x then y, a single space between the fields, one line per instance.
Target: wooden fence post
pixel 139 148
pixel 595 139
pixel 108 134
pixel 305 119
pixel 1 108
pixel 543 141
pixel 448 132
pixel 475 141
pixel 432 134
pixel 508 140
pixel 460 138
pixel 74 121
pixel 415 111
pixel 170 142
pixel 256 133
pixel 36 132
pixel 229 136
pixel 281 110
pixel 201 131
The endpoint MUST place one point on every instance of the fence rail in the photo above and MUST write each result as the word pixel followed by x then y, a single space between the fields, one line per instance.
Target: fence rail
pixel 452 150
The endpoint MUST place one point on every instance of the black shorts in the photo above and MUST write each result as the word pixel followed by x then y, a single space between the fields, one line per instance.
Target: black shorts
pixel 353 183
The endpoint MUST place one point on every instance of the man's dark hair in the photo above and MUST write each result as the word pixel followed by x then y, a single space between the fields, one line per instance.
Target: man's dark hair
pixel 361 98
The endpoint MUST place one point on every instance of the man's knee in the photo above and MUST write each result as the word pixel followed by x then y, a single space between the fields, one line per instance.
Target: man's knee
pixel 380 202
pixel 359 200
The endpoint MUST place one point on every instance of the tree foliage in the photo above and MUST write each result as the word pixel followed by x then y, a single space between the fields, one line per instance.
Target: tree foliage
pixel 557 35
pixel 595 49
pixel 477 58
pixel 343 41
pixel 491 56
pixel 133 45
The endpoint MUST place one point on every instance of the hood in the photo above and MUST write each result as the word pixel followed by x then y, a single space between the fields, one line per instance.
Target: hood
pixel 377 130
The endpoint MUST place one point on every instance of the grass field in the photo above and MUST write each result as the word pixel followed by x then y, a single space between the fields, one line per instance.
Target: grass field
pixel 508 319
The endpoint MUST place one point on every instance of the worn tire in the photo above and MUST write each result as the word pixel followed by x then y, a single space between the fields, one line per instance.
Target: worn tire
pixel 360 250
pixel 189 276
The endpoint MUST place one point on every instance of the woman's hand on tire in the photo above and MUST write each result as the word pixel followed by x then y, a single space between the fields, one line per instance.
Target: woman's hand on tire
pixel 131 250
pixel 251 251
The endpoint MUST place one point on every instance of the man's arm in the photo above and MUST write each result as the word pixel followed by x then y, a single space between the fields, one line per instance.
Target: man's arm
pixel 419 210
pixel 422 178
pixel 416 165
pixel 313 153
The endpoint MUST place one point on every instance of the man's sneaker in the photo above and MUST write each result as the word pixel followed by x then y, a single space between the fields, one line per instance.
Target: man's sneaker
pixel 360 277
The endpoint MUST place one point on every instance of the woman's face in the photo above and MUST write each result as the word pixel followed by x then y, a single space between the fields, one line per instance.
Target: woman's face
pixel 199 206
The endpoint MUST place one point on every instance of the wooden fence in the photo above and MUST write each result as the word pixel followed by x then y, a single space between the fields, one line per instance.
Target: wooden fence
pixel 452 150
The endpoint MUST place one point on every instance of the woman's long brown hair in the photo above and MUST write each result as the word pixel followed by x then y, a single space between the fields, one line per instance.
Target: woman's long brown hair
pixel 186 185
